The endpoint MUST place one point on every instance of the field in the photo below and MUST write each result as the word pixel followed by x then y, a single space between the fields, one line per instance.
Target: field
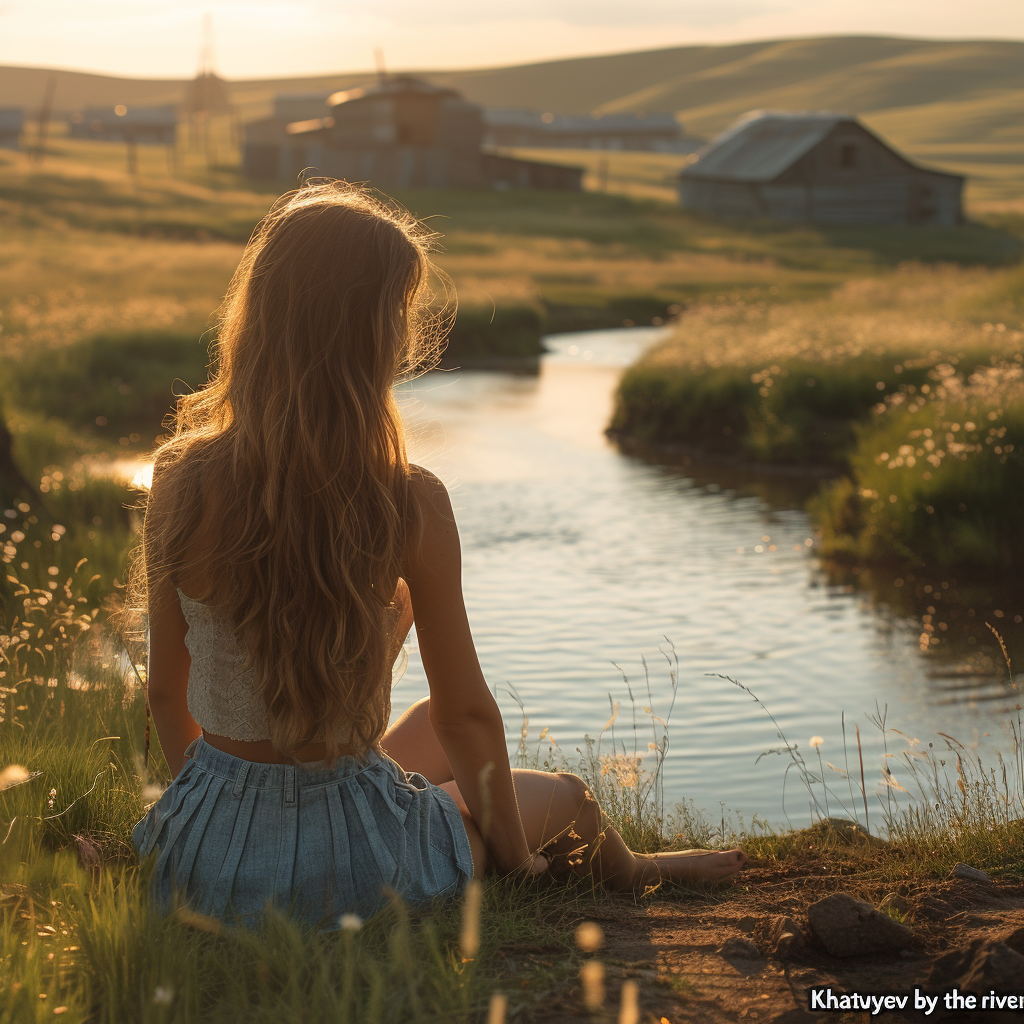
pixel 111 279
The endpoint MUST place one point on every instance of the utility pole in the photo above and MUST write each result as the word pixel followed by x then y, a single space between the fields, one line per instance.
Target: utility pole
pixel 44 119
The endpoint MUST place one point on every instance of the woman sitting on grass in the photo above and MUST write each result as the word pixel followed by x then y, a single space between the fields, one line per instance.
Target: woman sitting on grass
pixel 288 547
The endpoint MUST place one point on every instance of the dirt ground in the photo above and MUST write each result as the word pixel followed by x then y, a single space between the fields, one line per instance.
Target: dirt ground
pixel 672 945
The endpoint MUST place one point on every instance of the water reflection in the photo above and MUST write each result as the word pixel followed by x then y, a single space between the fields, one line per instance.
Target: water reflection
pixel 579 559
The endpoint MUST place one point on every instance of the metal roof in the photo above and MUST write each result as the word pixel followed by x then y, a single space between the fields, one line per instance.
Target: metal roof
pixel 390 86
pixel 763 144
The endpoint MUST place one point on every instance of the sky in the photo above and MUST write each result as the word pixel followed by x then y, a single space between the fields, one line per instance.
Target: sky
pixel 272 38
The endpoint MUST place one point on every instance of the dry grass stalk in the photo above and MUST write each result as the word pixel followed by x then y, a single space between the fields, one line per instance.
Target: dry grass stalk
pixel 496 1009
pixel 469 939
pixel 629 1006
pixel 592 979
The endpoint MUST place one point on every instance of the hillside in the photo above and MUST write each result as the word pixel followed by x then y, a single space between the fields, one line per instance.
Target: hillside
pixel 930 92
pixel 955 104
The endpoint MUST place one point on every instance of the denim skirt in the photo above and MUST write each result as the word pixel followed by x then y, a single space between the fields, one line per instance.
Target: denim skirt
pixel 233 836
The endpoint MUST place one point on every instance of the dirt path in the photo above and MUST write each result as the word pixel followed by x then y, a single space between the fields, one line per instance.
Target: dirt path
pixel 672 945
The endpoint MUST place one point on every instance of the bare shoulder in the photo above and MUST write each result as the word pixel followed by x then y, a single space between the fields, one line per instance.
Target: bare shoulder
pixel 434 539
pixel 429 496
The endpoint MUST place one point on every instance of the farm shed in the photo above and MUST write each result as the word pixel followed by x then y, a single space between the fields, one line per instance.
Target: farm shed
pixel 12 121
pixel 815 166
pixel 659 133
pixel 155 126
pixel 400 132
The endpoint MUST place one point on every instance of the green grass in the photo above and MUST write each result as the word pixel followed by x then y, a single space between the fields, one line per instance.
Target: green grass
pixel 79 938
pixel 938 475
pixel 909 385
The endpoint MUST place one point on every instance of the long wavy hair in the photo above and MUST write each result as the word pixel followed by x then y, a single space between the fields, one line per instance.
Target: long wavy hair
pixel 293 456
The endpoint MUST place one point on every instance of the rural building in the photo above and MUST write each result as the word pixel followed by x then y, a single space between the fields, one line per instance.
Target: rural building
pixel 300 106
pixel 400 132
pixel 815 166
pixel 12 121
pixel 659 133
pixel 155 126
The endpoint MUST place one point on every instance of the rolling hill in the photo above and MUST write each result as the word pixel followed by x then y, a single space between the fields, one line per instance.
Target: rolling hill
pixel 951 102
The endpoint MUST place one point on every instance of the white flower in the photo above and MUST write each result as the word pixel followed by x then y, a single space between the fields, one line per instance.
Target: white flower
pixel 163 996
pixel 816 741
pixel 13 775
pixel 350 922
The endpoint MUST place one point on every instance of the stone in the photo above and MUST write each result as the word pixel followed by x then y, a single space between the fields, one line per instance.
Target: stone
pixel 739 947
pixel 894 901
pixel 845 926
pixel 782 937
pixel 994 966
pixel 1014 939
pixel 969 874
pixel 850 833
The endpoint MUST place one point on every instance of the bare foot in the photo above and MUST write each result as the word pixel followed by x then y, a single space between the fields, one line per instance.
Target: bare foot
pixel 689 865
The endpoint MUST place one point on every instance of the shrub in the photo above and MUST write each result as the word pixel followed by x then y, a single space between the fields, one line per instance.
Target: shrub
pixel 938 477
pixel 113 384
pixel 501 332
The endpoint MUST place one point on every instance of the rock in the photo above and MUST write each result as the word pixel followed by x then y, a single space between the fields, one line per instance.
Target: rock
pixel 1015 940
pixel 739 947
pixel 791 946
pixel 747 924
pixel 846 832
pixel 994 966
pixel 845 926
pixel 969 874
pixel 894 901
pixel 782 937
pixel 950 967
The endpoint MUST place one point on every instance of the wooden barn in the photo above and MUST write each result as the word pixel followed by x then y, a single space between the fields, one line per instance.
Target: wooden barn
pixel 400 132
pixel 658 133
pixel 815 166
pixel 12 122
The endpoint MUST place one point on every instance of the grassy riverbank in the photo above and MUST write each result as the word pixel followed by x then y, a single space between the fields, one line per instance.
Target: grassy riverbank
pixel 78 940
pixel 908 385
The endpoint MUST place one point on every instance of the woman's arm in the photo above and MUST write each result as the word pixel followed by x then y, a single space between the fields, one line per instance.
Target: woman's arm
pixel 169 664
pixel 463 712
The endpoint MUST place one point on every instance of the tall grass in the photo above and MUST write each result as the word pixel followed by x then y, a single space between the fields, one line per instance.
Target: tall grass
pixel 79 939
pixel 937 471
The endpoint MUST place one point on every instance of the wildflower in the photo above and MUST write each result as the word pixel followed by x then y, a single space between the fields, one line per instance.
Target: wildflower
pixel 816 741
pixel 589 936
pixel 592 979
pixel 151 792
pixel 13 775
pixel 350 922
pixel 163 996
pixel 49 802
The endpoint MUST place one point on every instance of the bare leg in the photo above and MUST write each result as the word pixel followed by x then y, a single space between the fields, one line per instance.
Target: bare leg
pixel 560 816
pixel 411 742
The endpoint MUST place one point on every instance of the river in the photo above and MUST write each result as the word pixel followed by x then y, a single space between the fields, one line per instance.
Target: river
pixel 580 561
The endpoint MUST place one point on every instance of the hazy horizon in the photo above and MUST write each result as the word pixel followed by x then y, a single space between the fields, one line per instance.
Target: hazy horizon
pixel 270 39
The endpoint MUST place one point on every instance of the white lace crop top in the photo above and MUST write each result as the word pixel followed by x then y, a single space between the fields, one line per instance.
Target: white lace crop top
pixel 222 695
